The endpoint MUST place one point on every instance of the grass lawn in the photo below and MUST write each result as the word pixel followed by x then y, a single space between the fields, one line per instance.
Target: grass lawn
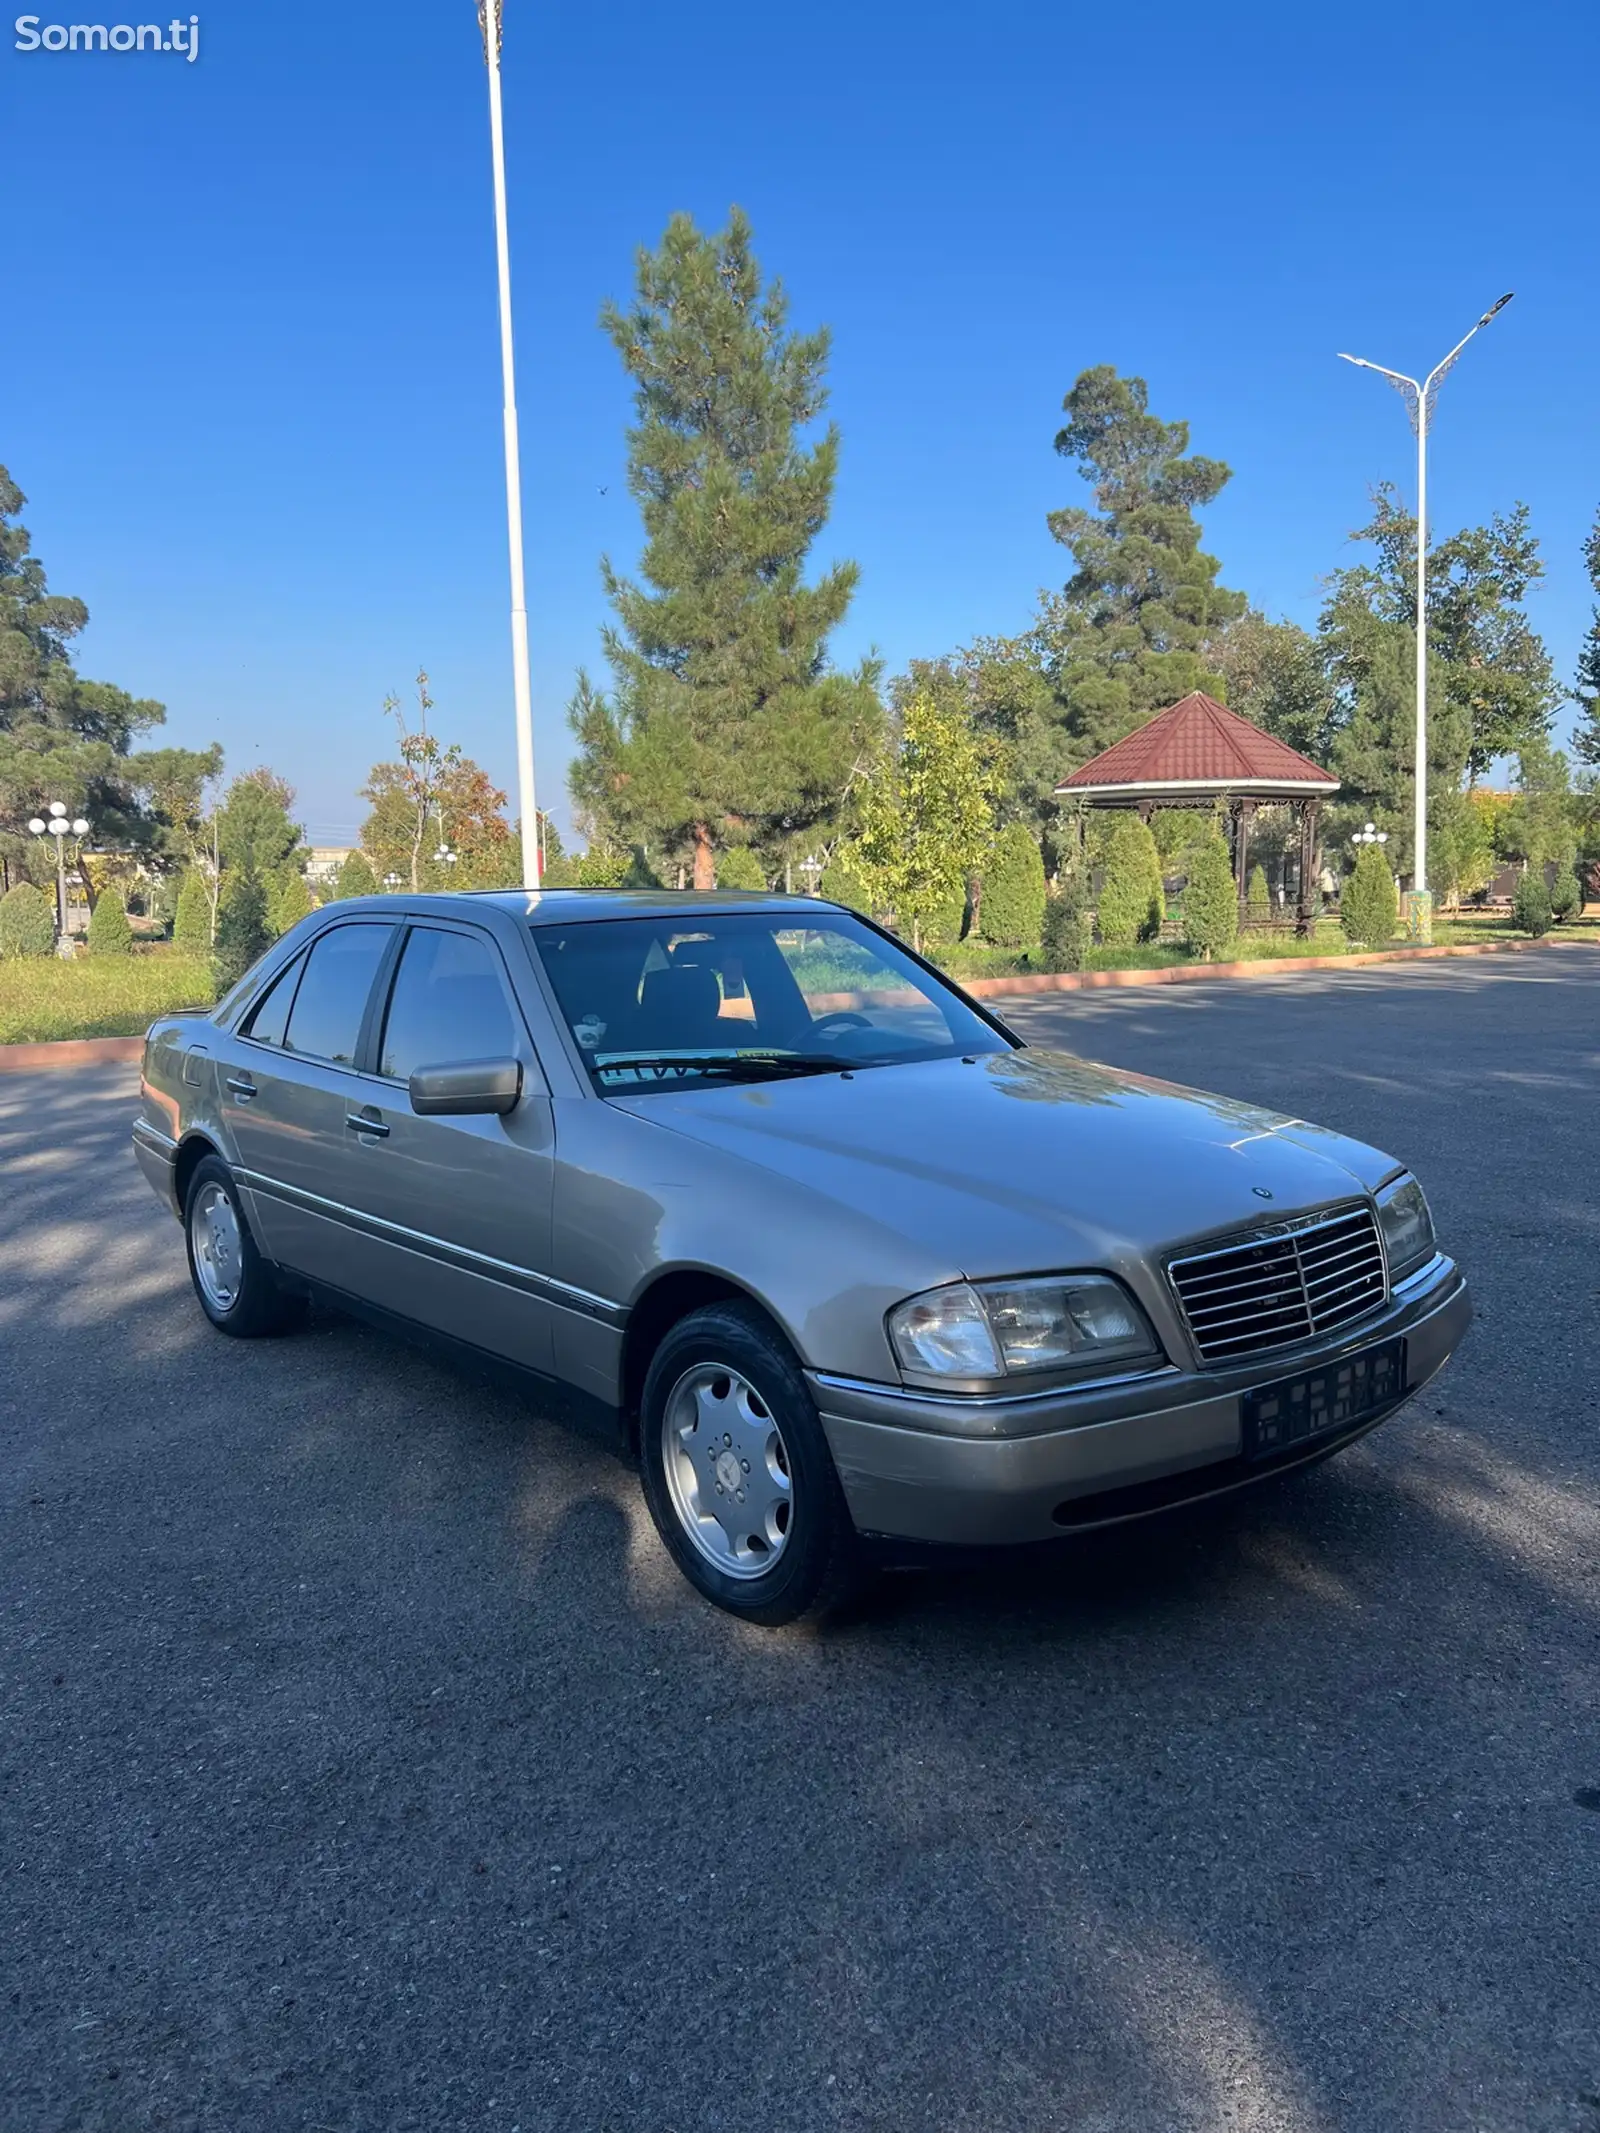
pixel 42 997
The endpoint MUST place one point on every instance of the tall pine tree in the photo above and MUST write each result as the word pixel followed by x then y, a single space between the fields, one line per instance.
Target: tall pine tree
pixel 1586 695
pixel 726 724
pixel 1127 634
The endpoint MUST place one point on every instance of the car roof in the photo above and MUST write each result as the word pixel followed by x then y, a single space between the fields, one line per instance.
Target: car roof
pixel 562 907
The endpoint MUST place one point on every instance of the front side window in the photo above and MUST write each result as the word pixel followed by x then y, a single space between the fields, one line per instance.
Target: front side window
pixel 663 1001
pixel 448 1005
pixel 325 1020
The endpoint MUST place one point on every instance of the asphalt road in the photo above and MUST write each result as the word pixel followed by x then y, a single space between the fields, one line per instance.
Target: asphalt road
pixel 364 1766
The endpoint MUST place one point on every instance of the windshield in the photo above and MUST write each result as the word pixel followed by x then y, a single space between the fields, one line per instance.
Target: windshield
pixel 662 1002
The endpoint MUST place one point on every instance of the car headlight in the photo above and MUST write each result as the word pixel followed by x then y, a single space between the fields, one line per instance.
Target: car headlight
pixel 1407 1227
pixel 993 1329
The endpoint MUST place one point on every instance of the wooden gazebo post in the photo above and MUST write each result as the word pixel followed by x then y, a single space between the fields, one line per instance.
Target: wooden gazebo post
pixel 1304 916
pixel 1243 814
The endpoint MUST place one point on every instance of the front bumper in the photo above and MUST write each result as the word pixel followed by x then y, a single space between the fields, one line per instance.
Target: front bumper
pixel 966 1473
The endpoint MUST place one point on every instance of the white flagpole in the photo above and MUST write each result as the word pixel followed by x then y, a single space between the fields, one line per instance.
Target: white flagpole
pixel 490 21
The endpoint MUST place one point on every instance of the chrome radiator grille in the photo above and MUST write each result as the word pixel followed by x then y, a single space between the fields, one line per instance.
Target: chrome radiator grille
pixel 1270 1290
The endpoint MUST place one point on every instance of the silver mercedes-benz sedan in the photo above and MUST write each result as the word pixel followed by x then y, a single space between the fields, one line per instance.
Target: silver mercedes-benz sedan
pixel 849 1270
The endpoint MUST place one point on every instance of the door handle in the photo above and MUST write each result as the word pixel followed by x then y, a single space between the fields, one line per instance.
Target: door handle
pixel 241 1088
pixel 373 1125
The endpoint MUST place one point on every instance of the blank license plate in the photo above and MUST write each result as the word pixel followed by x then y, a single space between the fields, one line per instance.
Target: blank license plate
pixel 1278 1417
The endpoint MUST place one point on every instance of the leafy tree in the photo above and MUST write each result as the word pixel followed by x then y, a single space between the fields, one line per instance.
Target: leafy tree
pixel 1064 936
pixel 841 884
pixel 243 933
pixel 726 723
pixel 1210 899
pixel 926 817
pixel 602 869
pixel 288 900
pixel 740 869
pixel 1369 908
pixel 1566 892
pixel 356 877
pixel 1258 897
pixel 404 828
pixel 1273 673
pixel 1530 907
pixel 1014 889
pixel 175 783
pixel 1131 905
pixel 1490 687
pixel 254 832
pixel 191 928
pixel 109 931
pixel 1539 823
pixel 1586 694
pixel 27 922
pixel 1461 854
pixel 1127 635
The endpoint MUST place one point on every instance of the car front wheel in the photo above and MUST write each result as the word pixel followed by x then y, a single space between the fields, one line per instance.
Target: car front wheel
pixel 737 1471
pixel 237 1289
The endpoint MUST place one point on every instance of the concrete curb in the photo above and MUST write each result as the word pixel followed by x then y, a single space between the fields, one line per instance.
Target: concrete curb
pixel 70 1052
pixel 1262 967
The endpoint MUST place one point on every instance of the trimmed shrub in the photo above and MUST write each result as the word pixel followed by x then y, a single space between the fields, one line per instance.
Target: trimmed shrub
pixel 109 931
pixel 243 933
pixel 739 868
pixel 288 901
pixel 1369 909
pixel 1530 907
pixel 1210 901
pixel 1566 893
pixel 1064 930
pixel 1131 905
pixel 356 877
pixel 1257 897
pixel 1013 889
pixel 27 922
pixel 191 927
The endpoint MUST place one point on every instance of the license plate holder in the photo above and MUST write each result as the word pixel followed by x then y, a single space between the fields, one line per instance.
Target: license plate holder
pixel 1317 1403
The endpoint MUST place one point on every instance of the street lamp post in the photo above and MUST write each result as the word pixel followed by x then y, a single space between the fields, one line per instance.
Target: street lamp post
pixel 1419 401
pixel 1369 835
pixel 58 825
pixel 391 882
pixel 491 23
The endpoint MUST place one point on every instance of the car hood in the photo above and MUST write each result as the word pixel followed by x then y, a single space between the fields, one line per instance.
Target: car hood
pixel 1028 1159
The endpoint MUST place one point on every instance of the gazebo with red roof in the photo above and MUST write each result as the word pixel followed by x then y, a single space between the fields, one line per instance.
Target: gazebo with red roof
pixel 1196 753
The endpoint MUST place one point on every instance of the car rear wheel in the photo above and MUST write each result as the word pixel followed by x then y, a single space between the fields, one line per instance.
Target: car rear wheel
pixel 737 1471
pixel 237 1289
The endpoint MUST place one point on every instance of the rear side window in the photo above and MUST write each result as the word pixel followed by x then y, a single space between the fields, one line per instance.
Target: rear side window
pixel 325 1020
pixel 268 1020
pixel 448 1005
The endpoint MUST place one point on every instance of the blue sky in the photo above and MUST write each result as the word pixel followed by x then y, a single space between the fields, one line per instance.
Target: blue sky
pixel 251 384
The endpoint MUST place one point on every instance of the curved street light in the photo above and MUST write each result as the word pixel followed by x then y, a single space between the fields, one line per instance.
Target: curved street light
pixel 1420 399
pixel 59 825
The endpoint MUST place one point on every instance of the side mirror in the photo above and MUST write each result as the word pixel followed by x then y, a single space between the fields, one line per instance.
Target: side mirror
pixel 466 1090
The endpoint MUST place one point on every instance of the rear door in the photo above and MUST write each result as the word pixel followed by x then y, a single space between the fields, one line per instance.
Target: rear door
pixel 288 1086
pixel 453 1214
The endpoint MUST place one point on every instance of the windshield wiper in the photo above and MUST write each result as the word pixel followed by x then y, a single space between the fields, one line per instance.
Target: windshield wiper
pixel 779 1063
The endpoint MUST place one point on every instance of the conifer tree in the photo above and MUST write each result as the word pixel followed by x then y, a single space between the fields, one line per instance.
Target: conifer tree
pixel 1210 899
pixel 109 931
pixel 1127 635
pixel 1131 905
pixel 356 877
pixel 1013 889
pixel 191 928
pixel 726 723
pixel 1586 733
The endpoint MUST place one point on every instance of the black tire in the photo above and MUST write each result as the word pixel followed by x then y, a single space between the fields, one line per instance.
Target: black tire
pixel 818 1566
pixel 254 1303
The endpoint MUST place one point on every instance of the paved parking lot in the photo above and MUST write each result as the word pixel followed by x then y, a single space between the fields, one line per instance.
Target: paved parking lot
pixel 364 1766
